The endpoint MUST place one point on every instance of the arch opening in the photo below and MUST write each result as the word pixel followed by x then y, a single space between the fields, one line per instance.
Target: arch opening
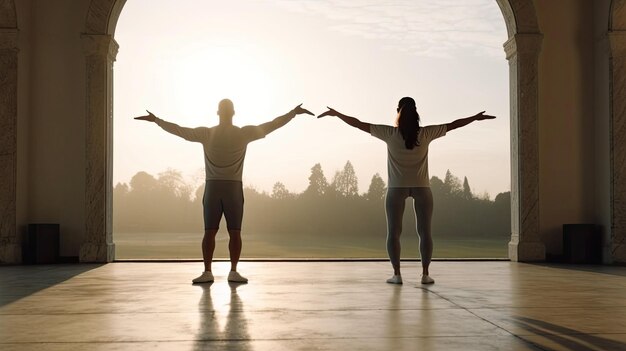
pixel 522 52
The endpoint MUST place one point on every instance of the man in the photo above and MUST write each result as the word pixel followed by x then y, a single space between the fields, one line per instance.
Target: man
pixel 224 153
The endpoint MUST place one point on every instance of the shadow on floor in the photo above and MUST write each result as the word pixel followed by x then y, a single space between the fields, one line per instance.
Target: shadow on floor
pixel 17 282
pixel 595 268
pixel 234 326
pixel 570 339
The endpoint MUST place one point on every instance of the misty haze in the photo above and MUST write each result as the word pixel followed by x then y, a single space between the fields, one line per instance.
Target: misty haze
pixel 160 216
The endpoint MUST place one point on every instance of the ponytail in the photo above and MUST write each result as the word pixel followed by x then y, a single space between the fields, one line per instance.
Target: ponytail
pixel 408 122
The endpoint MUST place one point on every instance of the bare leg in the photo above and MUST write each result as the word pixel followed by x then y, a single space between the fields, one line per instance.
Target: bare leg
pixel 208 246
pixel 394 209
pixel 423 206
pixel 234 247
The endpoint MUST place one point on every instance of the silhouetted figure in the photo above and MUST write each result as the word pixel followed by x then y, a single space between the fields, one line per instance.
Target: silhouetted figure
pixel 224 153
pixel 407 168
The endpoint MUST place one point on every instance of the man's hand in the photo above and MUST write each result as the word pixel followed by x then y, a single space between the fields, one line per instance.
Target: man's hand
pixel 149 117
pixel 482 116
pixel 331 112
pixel 298 110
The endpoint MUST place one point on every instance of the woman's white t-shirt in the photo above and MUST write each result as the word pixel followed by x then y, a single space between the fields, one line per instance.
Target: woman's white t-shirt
pixel 407 168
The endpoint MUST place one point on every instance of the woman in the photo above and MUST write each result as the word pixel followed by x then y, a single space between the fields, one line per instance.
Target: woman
pixel 407 169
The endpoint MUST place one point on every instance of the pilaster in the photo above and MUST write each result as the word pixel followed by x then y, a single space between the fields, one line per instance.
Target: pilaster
pixel 522 52
pixel 10 250
pixel 100 52
pixel 617 44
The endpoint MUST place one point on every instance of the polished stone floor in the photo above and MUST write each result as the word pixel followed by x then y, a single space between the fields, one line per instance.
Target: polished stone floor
pixel 313 306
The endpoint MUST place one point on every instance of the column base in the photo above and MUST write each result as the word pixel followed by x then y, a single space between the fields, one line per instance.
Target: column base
pixel 96 252
pixel 527 251
pixel 10 253
pixel 618 254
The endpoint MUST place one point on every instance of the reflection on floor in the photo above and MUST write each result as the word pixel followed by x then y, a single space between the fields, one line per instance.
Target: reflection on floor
pixel 313 306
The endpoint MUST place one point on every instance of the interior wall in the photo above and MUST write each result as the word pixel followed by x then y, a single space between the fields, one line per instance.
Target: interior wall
pixel 56 129
pixel 566 110
pixel 24 22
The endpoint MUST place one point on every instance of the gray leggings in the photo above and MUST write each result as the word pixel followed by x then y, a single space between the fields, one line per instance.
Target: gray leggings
pixel 394 208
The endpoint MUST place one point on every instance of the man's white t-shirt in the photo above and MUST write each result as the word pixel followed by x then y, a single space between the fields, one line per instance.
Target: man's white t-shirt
pixel 224 146
pixel 407 168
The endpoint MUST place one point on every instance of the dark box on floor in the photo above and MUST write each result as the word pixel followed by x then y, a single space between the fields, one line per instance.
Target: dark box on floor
pixel 582 243
pixel 41 244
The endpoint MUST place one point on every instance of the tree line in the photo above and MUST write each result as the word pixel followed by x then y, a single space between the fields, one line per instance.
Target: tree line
pixel 332 211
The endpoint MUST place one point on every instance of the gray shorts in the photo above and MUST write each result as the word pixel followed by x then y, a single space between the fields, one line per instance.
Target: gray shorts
pixel 223 197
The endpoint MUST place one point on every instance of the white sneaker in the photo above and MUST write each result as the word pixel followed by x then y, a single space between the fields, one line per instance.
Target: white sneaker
pixel 235 277
pixel 396 279
pixel 205 277
pixel 426 279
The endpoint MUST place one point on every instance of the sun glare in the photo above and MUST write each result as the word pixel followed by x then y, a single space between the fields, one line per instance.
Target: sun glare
pixel 203 77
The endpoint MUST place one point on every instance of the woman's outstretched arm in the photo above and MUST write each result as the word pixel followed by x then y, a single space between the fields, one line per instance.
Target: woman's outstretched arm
pixel 150 117
pixel 347 119
pixel 280 121
pixel 462 122
pixel 191 134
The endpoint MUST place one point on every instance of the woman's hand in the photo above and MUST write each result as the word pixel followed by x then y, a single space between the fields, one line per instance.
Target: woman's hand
pixel 331 112
pixel 467 120
pixel 482 116
pixel 351 121
pixel 149 117
pixel 298 110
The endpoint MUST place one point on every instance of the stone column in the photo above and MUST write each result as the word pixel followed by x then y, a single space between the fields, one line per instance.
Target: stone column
pixel 522 52
pixel 100 52
pixel 617 42
pixel 10 250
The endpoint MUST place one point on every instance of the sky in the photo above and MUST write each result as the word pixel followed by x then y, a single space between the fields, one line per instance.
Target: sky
pixel 179 58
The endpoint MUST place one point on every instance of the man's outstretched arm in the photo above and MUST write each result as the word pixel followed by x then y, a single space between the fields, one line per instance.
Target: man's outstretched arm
pixel 191 134
pixel 280 121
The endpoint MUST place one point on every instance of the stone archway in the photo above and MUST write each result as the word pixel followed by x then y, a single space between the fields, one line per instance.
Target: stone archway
pixel 10 250
pixel 617 126
pixel 522 51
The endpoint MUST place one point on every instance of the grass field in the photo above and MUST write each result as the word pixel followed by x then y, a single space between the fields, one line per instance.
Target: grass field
pixel 265 245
